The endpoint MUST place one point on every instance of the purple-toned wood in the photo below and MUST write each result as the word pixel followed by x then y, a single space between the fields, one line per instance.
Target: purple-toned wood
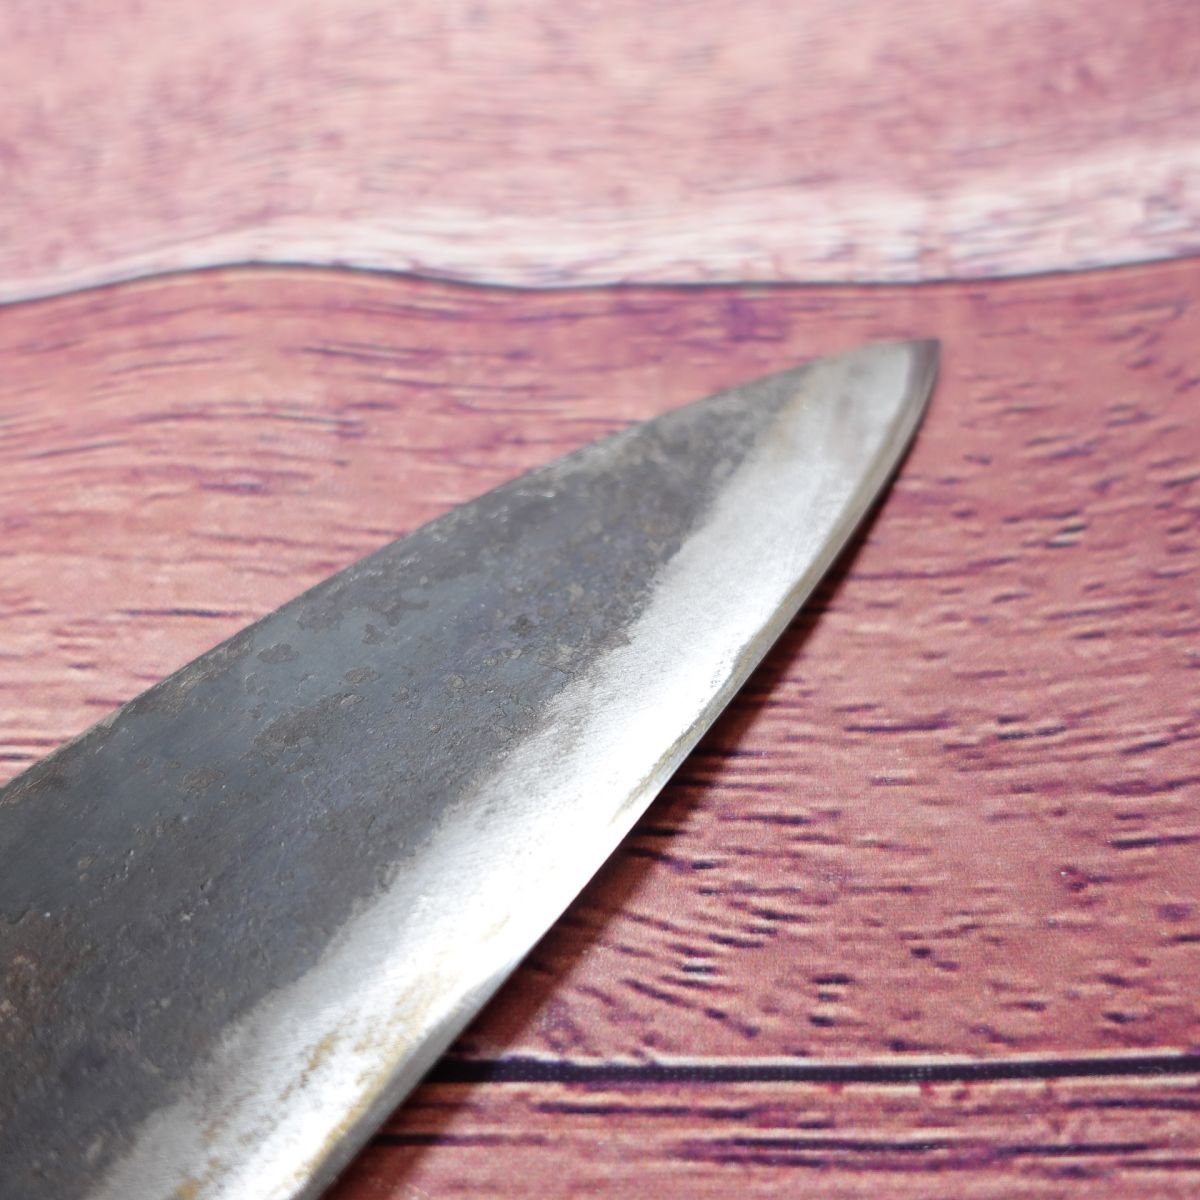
pixel 1038 1141
pixel 590 143
pixel 956 813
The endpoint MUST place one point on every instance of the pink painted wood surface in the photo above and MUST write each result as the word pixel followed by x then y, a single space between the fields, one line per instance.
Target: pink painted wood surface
pixel 582 143
pixel 1036 1141
pixel 956 812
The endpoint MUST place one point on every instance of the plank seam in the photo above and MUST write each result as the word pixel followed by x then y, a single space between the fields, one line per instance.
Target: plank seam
pixel 532 1069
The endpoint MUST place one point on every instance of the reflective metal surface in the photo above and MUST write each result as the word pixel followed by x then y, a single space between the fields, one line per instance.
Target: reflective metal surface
pixel 242 916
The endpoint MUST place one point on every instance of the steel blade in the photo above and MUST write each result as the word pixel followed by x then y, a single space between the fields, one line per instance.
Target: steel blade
pixel 243 915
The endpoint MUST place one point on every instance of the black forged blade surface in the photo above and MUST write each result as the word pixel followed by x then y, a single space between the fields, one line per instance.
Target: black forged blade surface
pixel 240 917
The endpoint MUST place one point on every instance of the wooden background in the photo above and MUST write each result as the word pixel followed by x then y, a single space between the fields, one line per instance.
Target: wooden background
pixel 591 141
pixel 921 915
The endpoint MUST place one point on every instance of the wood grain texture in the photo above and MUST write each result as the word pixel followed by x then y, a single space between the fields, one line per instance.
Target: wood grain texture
pixel 1037 1141
pixel 957 810
pixel 583 143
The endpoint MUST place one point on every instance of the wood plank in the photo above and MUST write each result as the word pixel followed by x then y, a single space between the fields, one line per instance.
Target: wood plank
pixel 957 810
pixel 1034 1140
pixel 586 143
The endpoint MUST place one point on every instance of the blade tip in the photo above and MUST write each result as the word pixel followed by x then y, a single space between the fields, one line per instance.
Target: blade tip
pixel 916 358
pixel 926 357
pixel 923 354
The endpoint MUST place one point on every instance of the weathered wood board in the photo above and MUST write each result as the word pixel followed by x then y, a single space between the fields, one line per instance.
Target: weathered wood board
pixel 538 144
pixel 1038 1141
pixel 955 812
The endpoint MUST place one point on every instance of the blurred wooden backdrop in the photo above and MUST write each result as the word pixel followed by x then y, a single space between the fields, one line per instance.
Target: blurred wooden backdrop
pixel 921 916
pixel 527 142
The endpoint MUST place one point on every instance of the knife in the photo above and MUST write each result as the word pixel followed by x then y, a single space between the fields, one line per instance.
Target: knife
pixel 243 915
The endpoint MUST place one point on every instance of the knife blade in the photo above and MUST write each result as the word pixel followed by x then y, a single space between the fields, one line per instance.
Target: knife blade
pixel 242 916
